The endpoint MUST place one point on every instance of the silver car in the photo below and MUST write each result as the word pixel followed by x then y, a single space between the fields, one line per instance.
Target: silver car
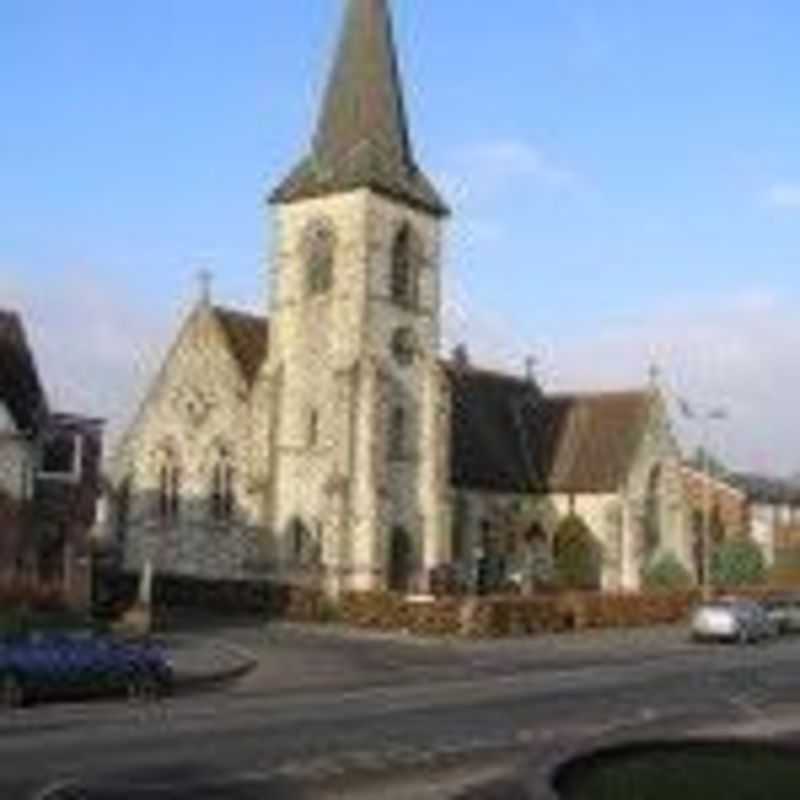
pixel 732 619
pixel 784 610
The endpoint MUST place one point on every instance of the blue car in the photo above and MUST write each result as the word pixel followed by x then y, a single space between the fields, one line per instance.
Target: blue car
pixel 55 666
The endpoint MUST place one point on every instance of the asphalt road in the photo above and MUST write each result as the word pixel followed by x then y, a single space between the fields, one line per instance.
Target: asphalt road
pixel 378 713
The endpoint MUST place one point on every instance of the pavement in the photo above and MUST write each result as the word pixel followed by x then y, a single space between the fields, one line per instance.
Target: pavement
pixel 202 661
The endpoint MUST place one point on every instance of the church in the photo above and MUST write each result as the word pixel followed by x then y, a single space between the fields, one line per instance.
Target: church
pixel 330 441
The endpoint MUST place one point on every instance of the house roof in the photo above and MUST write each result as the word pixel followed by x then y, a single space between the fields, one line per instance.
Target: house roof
pixel 248 338
pixel 765 489
pixel 362 138
pixel 509 437
pixel 20 388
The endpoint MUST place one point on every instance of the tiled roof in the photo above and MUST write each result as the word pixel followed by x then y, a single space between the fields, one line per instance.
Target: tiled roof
pixel 248 338
pixel 20 388
pixel 598 439
pixel 362 138
pixel 509 437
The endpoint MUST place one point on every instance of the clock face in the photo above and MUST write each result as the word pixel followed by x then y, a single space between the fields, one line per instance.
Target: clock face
pixel 404 346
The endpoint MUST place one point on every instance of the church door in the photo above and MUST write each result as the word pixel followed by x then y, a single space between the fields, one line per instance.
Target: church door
pixel 400 561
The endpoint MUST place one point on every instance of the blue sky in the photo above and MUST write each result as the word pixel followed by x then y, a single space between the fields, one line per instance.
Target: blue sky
pixel 625 176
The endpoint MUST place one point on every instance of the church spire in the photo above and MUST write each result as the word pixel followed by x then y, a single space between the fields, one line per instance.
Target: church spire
pixel 362 138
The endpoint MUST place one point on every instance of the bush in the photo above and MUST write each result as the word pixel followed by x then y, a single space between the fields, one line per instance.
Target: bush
pixel 738 562
pixel 666 573
pixel 577 555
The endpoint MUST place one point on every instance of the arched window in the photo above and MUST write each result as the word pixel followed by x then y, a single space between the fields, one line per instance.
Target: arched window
pixel 222 487
pixel 319 254
pixel 652 513
pixel 398 433
pixel 406 258
pixel 169 486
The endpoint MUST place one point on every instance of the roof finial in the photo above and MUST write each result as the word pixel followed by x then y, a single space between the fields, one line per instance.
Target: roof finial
pixel 205 278
pixel 654 375
pixel 530 368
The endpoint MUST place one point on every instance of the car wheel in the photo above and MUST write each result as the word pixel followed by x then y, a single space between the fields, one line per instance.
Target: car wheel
pixel 743 635
pixel 12 694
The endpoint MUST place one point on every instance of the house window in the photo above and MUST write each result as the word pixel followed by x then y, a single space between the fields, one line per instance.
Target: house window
pixel 319 251
pixel 398 433
pixel 405 267
pixel 222 488
pixel 62 453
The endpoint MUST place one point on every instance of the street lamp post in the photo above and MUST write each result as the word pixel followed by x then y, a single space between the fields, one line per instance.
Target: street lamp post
pixel 706 469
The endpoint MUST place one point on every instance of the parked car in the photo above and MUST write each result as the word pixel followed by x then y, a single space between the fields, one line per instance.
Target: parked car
pixel 784 611
pixel 56 666
pixel 732 619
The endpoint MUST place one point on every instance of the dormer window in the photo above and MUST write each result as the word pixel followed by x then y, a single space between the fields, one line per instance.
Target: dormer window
pixel 406 258
pixel 319 253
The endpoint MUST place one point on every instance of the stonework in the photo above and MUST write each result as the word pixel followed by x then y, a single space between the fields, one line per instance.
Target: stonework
pixel 329 432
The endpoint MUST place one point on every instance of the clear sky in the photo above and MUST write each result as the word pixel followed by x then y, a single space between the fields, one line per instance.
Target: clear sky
pixel 625 178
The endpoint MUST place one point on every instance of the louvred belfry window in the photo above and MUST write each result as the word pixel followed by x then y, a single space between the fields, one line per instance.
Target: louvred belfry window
pixel 319 253
pixel 406 259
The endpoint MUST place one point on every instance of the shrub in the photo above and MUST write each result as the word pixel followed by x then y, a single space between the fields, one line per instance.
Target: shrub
pixel 666 573
pixel 577 555
pixel 738 562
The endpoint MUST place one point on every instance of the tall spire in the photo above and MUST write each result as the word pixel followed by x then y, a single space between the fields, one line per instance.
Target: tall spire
pixel 362 138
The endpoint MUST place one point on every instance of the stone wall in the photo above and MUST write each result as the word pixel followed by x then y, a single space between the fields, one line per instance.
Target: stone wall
pixel 333 353
pixel 198 408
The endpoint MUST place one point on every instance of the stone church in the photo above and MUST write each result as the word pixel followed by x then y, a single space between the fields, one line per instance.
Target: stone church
pixel 330 441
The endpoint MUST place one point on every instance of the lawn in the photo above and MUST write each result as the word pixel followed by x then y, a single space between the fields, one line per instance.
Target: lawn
pixel 707 770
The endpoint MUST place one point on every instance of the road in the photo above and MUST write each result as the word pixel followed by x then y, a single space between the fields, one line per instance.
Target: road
pixel 324 713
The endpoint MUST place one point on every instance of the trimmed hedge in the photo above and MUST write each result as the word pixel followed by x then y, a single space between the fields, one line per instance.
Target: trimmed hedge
pixel 513 615
pixel 114 592
pixel 480 617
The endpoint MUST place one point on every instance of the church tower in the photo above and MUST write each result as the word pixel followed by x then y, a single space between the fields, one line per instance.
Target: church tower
pixel 357 473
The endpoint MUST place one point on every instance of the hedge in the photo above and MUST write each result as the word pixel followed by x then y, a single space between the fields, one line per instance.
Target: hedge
pixel 483 617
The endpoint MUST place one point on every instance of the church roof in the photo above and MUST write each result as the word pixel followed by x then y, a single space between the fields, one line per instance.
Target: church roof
pixel 599 435
pixel 491 423
pixel 509 437
pixel 362 138
pixel 20 389
pixel 248 338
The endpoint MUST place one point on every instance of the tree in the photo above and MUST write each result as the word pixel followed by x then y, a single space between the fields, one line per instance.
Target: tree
pixel 577 555
pixel 738 562
pixel 666 573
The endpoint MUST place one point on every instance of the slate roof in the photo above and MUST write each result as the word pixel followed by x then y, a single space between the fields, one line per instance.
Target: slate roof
pixel 509 437
pixel 492 431
pixel 248 338
pixel 766 489
pixel 20 388
pixel 362 138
